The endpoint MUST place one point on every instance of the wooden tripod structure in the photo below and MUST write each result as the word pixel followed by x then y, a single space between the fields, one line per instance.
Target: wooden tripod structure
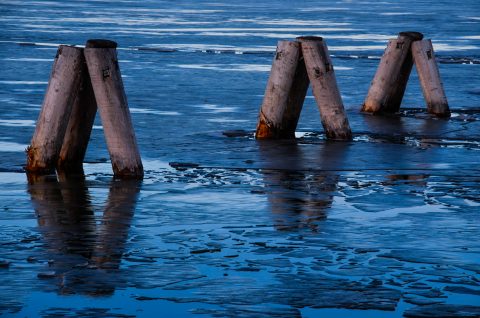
pixel 296 64
pixel 390 81
pixel 82 80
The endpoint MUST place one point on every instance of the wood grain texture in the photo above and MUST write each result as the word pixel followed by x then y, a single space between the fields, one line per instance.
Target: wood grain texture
pixel 79 128
pixel 390 81
pixel 284 94
pixel 296 98
pixel 325 89
pixel 113 108
pixel 64 83
pixel 430 80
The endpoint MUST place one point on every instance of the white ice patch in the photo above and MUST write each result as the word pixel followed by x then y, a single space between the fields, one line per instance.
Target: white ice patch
pixel 17 123
pixel 445 47
pixel 253 34
pixel 227 120
pixel 155 164
pixel 471 203
pixel 192 47
pixel 342 68
pixel 399 13
pixel 357 47
pixel 470 37
pixel 321 9
pixel 23 82
pixel 211 108
pixel 12 177
pixel 134 110
pixel 226 67
pixel 362 37
pixel 27 59
pixel 6 146
pixel 354 214
pixel 263 30
pixel 289 22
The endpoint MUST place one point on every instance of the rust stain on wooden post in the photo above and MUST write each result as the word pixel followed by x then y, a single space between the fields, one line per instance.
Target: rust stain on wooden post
pixel 389 83
pixel 284 94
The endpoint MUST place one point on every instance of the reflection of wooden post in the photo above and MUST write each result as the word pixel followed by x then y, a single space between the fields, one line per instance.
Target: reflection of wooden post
pixel 390 80
pixel 101 57
pixel 116 220
pixel 324 86
pixel 42 154
pixel 285 93
pixel 296 199
pixel 65 218
pixel 46 198
pixel 79 128
pixel 76 198
pixel 429 76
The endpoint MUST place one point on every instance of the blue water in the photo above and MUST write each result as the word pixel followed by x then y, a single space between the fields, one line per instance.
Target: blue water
pixel 224 225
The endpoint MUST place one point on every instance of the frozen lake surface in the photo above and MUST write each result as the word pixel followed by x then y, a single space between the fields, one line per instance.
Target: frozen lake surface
pixel 224 225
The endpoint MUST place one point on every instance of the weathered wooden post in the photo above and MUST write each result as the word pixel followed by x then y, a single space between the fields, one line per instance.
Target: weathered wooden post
pixel 101 57
pixel 65 79
pixel 429 76
pixel 296 98
pixel 388 85
pixel 79 128
pixel 325 90
pixel 285 93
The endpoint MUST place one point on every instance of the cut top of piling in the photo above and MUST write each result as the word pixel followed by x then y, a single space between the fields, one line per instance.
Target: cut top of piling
pixel 101 44
pixel 309 38
pixel 413 35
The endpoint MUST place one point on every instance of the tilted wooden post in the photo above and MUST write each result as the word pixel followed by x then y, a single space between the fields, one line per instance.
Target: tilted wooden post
pixel 101 57
pixel 79 128
pixel 429 76
pixel 285 93
pixel 65 79
pixel 296 98
pixel 325 90
pixel 388 85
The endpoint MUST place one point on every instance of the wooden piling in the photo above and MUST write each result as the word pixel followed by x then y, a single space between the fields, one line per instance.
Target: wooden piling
pixel 285 93
pixel 429 76
pixel 325 89
pixel 44 149
pixel 296 98
pixel 102 63
pixel 79 128
pixel 390 81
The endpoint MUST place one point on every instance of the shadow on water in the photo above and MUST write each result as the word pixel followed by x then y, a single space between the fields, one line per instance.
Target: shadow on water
pixel 84 255
pixel 387 125
pixel 299 196
pixel 396 128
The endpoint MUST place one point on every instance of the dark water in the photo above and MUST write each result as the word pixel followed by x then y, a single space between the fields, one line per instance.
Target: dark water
pixel 226 226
